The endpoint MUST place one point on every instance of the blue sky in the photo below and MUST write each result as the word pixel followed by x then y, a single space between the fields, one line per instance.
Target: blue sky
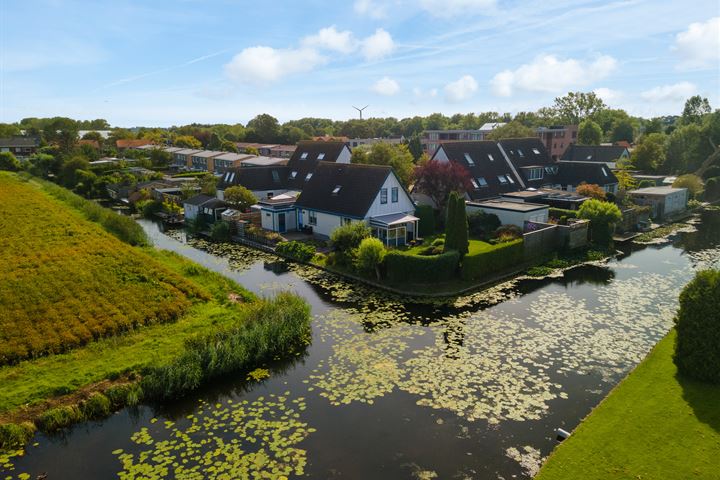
pixel 162 63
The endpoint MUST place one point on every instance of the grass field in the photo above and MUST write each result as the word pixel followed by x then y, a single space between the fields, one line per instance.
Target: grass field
pixel 65 282
pixel 653 426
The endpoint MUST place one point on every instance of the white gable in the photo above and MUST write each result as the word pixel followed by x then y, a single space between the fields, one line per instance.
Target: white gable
pixel 440 155
pixel 404 203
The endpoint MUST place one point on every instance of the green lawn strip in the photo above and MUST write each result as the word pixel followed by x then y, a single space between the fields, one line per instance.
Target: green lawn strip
pixel 35 380
pixel 651 426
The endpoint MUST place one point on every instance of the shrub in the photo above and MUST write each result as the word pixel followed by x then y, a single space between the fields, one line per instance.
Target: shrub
pixel 591 190
pixel 507 233
pixel 497 258
pixel 346 239
pixel 14 436
pixel 148 208
pixel 602 216
pixel 482 224
pixel 561 212
pixel 456 225
pixel 240 197
pixel 697 348
pixel 268 329
pixel 297 250
pixel 403 267
pixel 426 215
pixel 692 182
pixel 60 417
pixel 96 406
pixel 9 162
pixel 370 255
pixel 438 242
pixel 646 184
pixel 220 231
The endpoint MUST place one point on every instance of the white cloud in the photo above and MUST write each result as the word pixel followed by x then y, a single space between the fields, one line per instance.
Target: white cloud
pixel 670 93
pixel 456 8
pixel 461 89
pixel 370 8
pixel 378 45
pixel 386 86
pixel 331 39
pixel 547 73
pixel 607 94
pixel 262 65
pixel 699 45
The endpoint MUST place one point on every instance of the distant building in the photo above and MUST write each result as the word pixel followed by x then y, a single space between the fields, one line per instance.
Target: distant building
pixel 432 139
pixel 122 144
pixel 267 150
pixel 204 206
pixel 663 201
pixel 357 142
pixel 607 154
pixel 557 138
pixel 21 147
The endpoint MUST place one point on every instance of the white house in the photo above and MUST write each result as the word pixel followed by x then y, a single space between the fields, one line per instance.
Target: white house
pixel 206 206
pixel 510 212
pixel 339 194
pixel 279 213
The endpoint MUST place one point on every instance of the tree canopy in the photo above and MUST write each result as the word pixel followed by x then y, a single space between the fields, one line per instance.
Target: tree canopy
pixel 384 153
pixel 589 133
pixel 438 179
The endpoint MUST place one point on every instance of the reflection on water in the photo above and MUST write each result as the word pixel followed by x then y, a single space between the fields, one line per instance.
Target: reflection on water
pixel 470 387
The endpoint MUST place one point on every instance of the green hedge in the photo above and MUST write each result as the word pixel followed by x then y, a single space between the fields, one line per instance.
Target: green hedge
pixel 562 212
pixel 403 267
pixel 426 215
pixel 298 250
pixel 499 257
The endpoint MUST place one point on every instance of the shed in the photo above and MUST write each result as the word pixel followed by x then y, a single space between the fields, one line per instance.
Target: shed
pixel 511 213
pixel 663 201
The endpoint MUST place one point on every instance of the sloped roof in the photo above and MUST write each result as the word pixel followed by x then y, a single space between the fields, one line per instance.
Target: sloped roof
pixel 306 158
pixel 198 200
pixel 480 153
pixel 593 153
pixel 529 152
pixel 207 153
pixel 359 186
pixel 19 142
pixel 256 178
pixel 575 173
pixel 132 142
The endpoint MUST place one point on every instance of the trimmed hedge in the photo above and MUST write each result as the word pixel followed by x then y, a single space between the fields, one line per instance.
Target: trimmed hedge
pixel 497 258
pixel 297 250
pixel 562 212
pixel 426 215
pixel 403 267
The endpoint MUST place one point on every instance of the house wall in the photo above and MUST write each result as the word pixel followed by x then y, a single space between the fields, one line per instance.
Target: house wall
pixel 404 203
pixel 191 211
pixel 676 202
pixel 326 222
pixel 344 156
pixel 513 218
pixel 270 220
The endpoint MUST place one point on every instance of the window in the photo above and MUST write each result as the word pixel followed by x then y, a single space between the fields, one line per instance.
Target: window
pixel 232 177
pixel 510 179
pixel 548 170
pixel 502 179
pixel 604 171
pixel 346 221
pixel 275 176
pixel 304 156
pixel 321 156
pixel 474 184
pixel 312 218
pixel 394 193
pixel 293 174
pixel 520 153
pixel 336 190
pixel 536 151
pixel 589 157
pixel 383 196
pixel 492 159
pixel 482 181
pixel 308 176
pixel 469 160
pixel 535 174
pixel 227 176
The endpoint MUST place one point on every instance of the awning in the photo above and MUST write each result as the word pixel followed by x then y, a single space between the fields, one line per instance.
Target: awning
pixel 393 219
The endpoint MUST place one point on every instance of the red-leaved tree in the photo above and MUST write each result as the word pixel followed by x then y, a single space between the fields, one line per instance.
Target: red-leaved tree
pixel 437 179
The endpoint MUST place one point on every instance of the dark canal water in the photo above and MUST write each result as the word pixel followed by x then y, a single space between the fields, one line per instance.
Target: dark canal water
pixel 390 389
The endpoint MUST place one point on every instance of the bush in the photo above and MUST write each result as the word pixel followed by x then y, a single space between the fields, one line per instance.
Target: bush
pixel 646 184
pixel 438 242
pixel 499 257
pixel 697 348
pixel 403 267
pixel 456 225
pixel 692 182
pixel 507 233
pixel 148 208
pixel 481 224
pixel 220 231
pixel 345 240
pixel 602 216
pixel 60 417
pixel 426 214
pixel 96 407
pixel 14 436
pixel 297 250
pixel 370 255
pixel 267 330
pixel 9 162
pixel 556 213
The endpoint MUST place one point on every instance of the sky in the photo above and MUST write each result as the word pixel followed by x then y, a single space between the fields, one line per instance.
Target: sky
pixel 173 62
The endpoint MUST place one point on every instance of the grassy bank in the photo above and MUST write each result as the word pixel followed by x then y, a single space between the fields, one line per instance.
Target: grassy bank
pixel 652 426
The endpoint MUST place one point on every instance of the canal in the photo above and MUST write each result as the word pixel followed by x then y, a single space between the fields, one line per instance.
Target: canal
pixel 472 387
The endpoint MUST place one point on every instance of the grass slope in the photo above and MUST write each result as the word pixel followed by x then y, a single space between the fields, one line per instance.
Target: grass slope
pixel 65 282
pixel 652 426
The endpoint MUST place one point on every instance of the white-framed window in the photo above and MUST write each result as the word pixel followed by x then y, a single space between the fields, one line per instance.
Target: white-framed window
pixel 321 156
pixel 308 176
pixel 474 184
pixel 520 153
pixel 535 173
pixel 492 159
pixel 304 156
pixel 336 190
pixel 482 181
pixel 293 174
pixel 536 151
pixel 383 196
pixel 312 218
pixel 469 160
pixel 604 171
pixel 589 157
pixel 394 195
pixel 502 179
pixel 509 178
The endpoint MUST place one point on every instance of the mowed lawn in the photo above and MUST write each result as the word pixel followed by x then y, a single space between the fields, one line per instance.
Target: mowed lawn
pixel 652 426
pixel 65 282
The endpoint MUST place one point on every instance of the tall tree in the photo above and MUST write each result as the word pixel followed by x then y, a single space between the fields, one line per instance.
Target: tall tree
pixel 384 153
pixel 512 129
pixel 451 232
pixel 695 108
pixel 575 107
pixel 649 154
pixel 589 133
pixel 266 127
pixel 415 147
pixel 240 197
pixel 622 130
pixel 438 179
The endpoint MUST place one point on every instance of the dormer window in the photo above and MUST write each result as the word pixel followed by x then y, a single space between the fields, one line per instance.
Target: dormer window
pixel 336 190
pixel 502 179
pixel 321 156
pixel 482 181
pixel 293 174
pixel 604 171
pixel 474 184
pixel 469 160
pixel 304 156
pixel 520 153
pixel 510 179
pixel 536 151
pixel 308 176
pixel 492 159
pixel 589 157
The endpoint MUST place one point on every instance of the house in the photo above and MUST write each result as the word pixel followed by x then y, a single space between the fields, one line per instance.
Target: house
pixel 557 138
pixel 356 142
pixel 338 194
pixel 183 158
pixel 572 174
pixel 530 161
pixel 204 207
pixel 511 213
pixel 263 182
pixel 131 143
pixel 21 147
pixel 228 160
pixel 663 201
pixel 432 139
pixel 607 154
pixel 491 172
pixel 203 160
pixel 279 213
pixel 282 151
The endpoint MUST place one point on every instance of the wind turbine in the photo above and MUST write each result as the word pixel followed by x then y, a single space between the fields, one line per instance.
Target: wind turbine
pixel 360 110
